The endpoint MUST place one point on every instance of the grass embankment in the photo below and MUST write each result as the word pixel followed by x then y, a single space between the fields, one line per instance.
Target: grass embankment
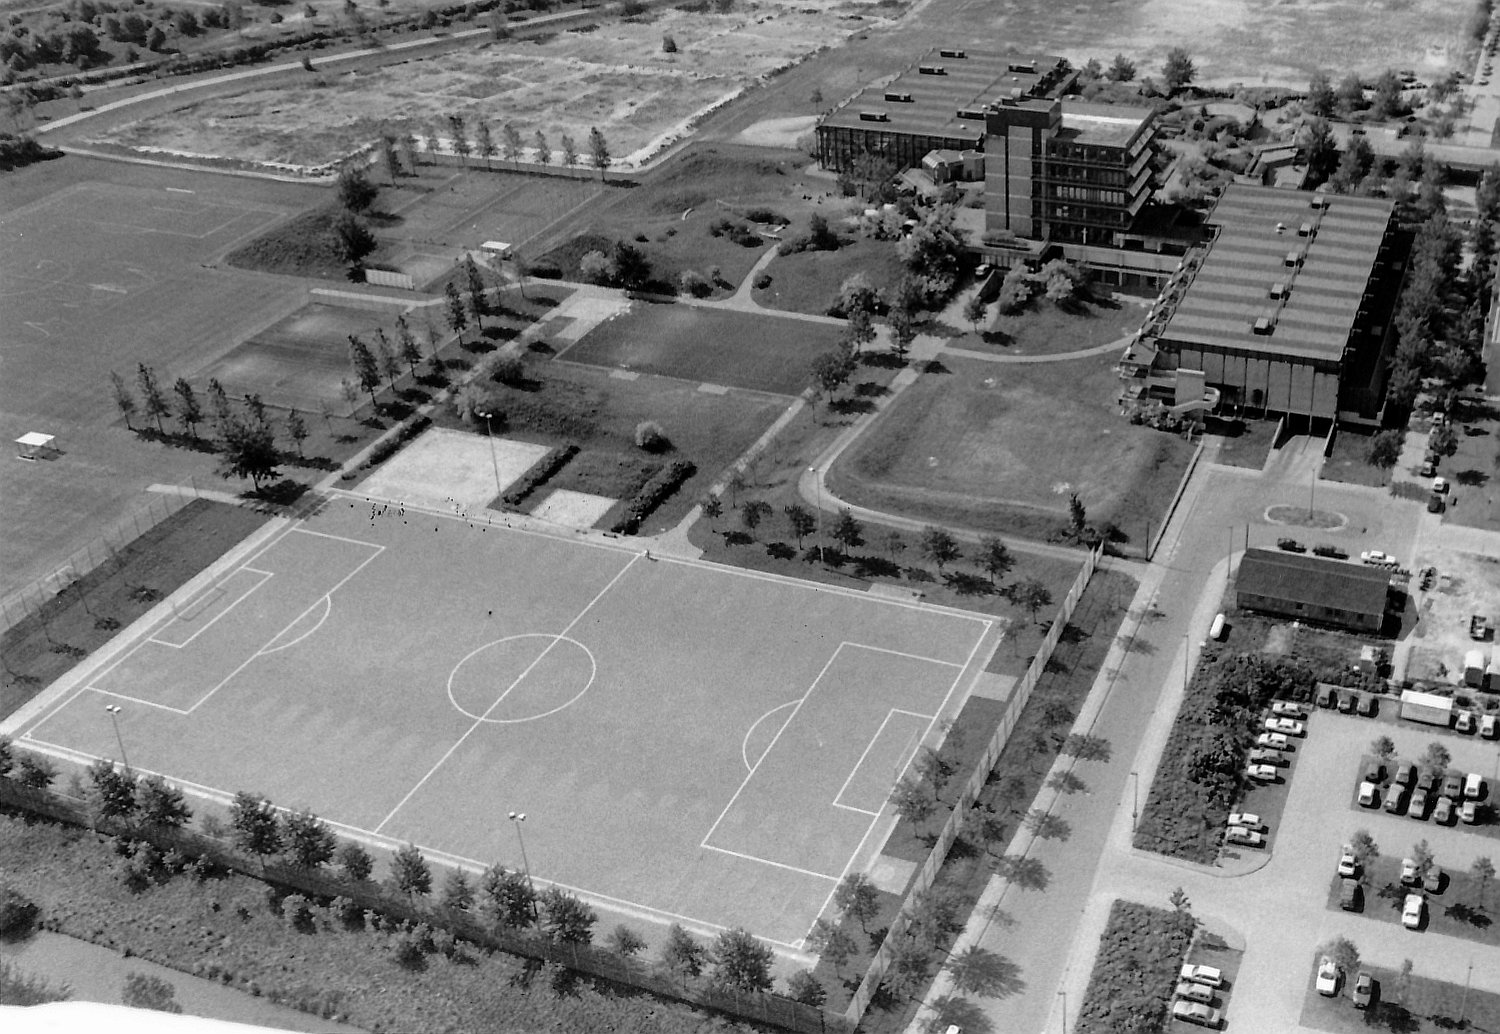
pixel 303 245
pixel 230 928
pixel 1136 969
pixel 130 581
pixel 1046 328
pixel 809 281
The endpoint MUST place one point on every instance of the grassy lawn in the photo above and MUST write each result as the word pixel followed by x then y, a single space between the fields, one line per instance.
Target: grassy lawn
pixel 809 281
pixel 1414 1004
pixel 742 350
pixel 1474 468
pixel 563 403
pixel 1348 462
pixel 1001 450
pixel 43 646
pixel 1045 328
pixel 1139 956
pixel 1243 443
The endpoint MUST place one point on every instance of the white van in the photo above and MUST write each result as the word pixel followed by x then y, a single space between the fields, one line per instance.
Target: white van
pixel 1217 631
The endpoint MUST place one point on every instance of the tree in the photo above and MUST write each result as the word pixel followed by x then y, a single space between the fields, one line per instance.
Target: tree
pixel 912 800
pixel 406 342
pixel 1066 782
pixel 512 144
pixel 159 804
pixel 543 150
pixel 458 320
pixel 142 991
pixel 909 968
pixel 994 558
pixel 599 151
pixel 189 412
pixel 458 894
pixel 903 325
pixel 569 150
pixel 741 962
pixel 565 918
pixel 752 513
pixel 629 266
pixel 894 544
pixel 1383 748
pixel 1121 69
pixel 736 484
pixel 390 158
pixel 35 771
pixel 1043 825
pixel 857 898
pixel 351 240
pixel 681 953
pixel 1177 71
pixel 712 508
pixel 831 943
pixel 831 370
pixel 1364 847
pixel 124 399
pixel 355 862
pixel 624 941
pixel 111 792
pixel 484 142
pixel 306 840
pixel 1353 166
pixel 975 311
pixel 1436 757
pixel 1031 594
pixel 800 522
pixel 1443 441
pixel 508 897
pixel 153 400
pixel 934 770
pixel 1483 870
pixel 847 530
pixel 1078 518
pixel 1086 747
pixel 1421 854
pixel 1343 953
pixel 410 874
pixel 249 452
pixel 1321 99
pixel 296 429
pixel 803 987
pixel 460 139
pixel 256 831
pixel 939 546
pixel 476 288
pixel 354 190
pixel 982 972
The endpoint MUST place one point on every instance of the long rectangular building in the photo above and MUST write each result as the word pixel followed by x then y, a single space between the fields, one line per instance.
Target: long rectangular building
pixel 1329 592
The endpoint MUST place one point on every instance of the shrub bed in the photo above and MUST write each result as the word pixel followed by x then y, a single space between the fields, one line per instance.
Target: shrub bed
pixel 1136 969
pixel 388 447
pixel 661 485
pixel 540 472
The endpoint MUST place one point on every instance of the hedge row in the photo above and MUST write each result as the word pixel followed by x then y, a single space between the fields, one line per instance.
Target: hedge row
pixel 663 484
pixel 540 473
pixel 387 448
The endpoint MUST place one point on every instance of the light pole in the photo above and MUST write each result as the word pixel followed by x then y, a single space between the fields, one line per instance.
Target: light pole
pixel 1135 799
pixel 516 818
pixel 114 719
pixel 818 484
pixel 1463 1007
pixel 1186 636
pixel 494 463
pixel 1064 996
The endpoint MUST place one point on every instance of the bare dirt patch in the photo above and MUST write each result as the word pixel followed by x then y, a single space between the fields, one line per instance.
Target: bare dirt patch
pixel 1466 584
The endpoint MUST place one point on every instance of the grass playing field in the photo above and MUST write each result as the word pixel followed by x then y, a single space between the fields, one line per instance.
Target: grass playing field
pixel 687 741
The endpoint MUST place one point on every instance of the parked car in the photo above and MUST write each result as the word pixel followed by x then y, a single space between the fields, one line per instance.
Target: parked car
pixel 1489 727
pixel 1404 775
pixel 1348 864
pixel 1196 1012
pixel 1442 812
pixel 1411 912
pixel 1244 818
pixel 1348 701
pixel 1410 875
pixel 1364 990
pixel 1395 800
pixel 1432 879
pixel 1473 786
pixel 1453 785
pixel 1266 756
pixel 1367 705
pixel 1428 578
pixel 1328 977
pixel 1376 558
pixel 1261 773
pixel 1469 812
pixel 1466 722
pixel 1428 469
pixel 1288 709
pixel 1417 809
pixel 1245 837
pixel 1440 486
pixel 1428 778
pixel 1369 795
pixel 1434 505
pixel 1286 726
pixel 1327 696
pixel 1210 975
pixel 1351 896
pixel 1194 991
pixel 1274 740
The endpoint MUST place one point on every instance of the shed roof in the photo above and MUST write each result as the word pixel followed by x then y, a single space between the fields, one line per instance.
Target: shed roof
pixel 1313 581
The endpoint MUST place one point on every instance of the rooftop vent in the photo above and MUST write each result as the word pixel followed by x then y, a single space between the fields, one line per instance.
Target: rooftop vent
pixel 952 53
pixel 970 113
pixel 874 116
pixel 931 70
pixel 900 98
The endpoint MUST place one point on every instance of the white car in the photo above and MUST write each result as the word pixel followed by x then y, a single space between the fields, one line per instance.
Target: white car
pixel 1195 992
pixel 1261 773
pixel 1196 1012
pixel 1469 812
pixel 1273 741
pixel 1348 864
pixel 1473 786
pixel 1244 818
pixel 1245 837
pixel 1409 874
pixel 1376 558
pixel 1369 795
pixel 1411 912
pixel 1286 726
pixel 1440 485
pixel 1328 977
pixel 1209 975
pixel 1287 709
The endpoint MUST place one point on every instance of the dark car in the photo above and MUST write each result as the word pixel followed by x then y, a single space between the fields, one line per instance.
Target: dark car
pixel 1434 503
pixel 1443 813
pixel 1364 990
pixel 1404 775
pixel 1351 896
pixel 1395 800
pixel 1367 704
pixel 1427 779
pixel 1453 786
pixel 1348 701
pixel 1432 880
pixel 1327 695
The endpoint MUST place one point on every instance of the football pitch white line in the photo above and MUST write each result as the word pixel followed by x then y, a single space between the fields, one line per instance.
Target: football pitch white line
pixel 767 861
pixel 176 617
pixel 910 656
pixel 125 696
pixel 481 719
pixel 900 763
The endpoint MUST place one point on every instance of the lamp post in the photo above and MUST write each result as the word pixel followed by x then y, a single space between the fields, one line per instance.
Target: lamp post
pixel 114 719
pixel 1135 799
pixel 1064 996
pixel 1463 1007
pixel 818 484
pixel 494 463
pixel 516 818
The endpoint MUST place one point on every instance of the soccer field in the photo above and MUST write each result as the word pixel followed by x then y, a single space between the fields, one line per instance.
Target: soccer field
pixel 688 742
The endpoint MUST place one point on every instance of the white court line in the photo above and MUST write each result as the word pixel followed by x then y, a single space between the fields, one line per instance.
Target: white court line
pixel 772 745
pixel 327 602
pixel 481 719
pixel 767 861
pixel 181 190
pixel 133 700
pixel 865 753
pixel 265 577
pixel 745 744
pixel 911 656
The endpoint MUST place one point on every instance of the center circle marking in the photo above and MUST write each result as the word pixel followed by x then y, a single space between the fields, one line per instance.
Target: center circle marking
pixel 547 648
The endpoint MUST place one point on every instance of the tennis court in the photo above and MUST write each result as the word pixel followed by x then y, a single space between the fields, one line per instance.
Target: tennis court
pixel 687 741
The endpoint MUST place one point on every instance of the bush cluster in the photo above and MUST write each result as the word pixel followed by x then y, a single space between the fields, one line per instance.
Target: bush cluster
pixel 650 437
pixel 663 484
pixel 762 280
pixel 16 151
pixel 1139 957
pixel 540 473
pixel 767 217
pixel 390 446
pixel 736 231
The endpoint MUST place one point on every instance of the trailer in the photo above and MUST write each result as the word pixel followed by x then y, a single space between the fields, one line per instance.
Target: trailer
pixel 1430 708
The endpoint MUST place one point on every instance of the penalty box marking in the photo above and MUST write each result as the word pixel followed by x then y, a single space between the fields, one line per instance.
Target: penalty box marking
pixel 786 811
pixel 874 789
pixel 217 601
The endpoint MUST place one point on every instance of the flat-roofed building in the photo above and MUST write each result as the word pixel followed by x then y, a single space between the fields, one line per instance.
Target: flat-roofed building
pixel 1309 588
pixel 1287 308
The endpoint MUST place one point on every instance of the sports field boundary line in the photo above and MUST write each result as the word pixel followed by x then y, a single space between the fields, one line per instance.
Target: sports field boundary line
pixel 745 743
pixel 909 656
pixel 481 720
pixel 767 861
pixel 265 576
pixel 865 753
pixel 327 601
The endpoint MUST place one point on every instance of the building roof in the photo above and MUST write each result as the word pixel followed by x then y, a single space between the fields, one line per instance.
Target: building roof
pixel 1107 125
pixel 1261 229
pixel 1313 581
pixel 967 83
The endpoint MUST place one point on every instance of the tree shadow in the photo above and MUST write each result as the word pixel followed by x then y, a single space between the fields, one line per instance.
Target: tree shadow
pixel 965 583
pixel 851 406
pixel 871 390
pixel 1073 634
pixel 935 366
pixel 541 348
pixel 882 360
pixel 876 567
pixel 780 551
pixel 997 337
pixel 1471 478
pixel 1144 647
